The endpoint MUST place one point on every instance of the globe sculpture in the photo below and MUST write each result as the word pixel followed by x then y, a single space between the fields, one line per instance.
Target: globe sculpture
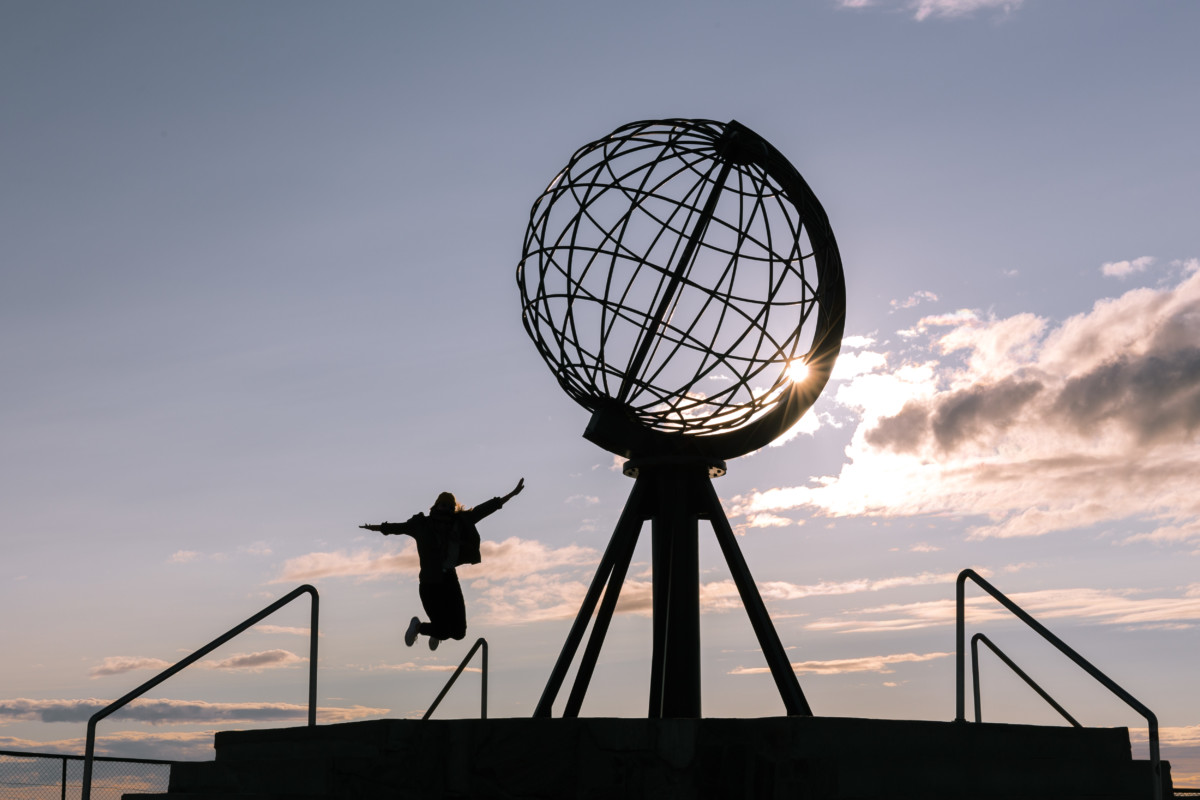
pixel 682 283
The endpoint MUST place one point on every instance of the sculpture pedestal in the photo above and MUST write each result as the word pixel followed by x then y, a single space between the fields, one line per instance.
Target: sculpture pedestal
pixel 778 757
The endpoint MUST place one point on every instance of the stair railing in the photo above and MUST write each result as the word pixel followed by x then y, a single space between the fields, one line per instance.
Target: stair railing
pixel 1041 630
pixel 90 753
pixel 480 642
pixel 979 637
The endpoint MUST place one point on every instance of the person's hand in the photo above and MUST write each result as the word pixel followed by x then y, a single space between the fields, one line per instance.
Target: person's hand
pixel 376 528
pixel 516 491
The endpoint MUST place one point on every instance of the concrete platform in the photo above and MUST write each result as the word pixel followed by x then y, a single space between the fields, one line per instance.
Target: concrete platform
pixel 778 757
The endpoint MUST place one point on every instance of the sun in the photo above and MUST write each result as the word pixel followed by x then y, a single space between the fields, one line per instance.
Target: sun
pixel 797 371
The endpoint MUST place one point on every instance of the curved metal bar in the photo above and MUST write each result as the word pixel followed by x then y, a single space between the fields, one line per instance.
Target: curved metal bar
pixel 979 637
pixel 90 751
pixel 1041 630
pixel 480 642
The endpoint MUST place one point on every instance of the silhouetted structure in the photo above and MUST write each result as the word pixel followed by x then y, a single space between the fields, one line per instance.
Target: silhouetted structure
pixel 682 282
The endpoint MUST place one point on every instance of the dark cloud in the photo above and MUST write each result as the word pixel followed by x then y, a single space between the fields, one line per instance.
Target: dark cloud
pixel 1155 397
pixel 905 432
pixel 956 417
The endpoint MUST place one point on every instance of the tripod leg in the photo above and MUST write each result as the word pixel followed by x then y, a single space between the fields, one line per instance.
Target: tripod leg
pixel 661 587
pixel 631 515
pixel 675 668
pixel 768 638
pixel 627 535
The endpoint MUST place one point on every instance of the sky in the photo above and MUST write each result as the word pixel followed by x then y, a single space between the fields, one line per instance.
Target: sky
pixel 257 288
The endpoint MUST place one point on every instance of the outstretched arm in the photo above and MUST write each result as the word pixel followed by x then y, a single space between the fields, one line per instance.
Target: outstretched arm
pixel 514 492
pixel 389 528
pixel 491 506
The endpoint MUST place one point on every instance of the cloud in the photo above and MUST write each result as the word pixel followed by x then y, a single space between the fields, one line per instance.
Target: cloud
pixel 268 659
pixel 1032 427
pixel 1123 269
pixel 1183 736
pixel 156 712
pixel 284 629
pixel 410 666
pixel 511 557
pixel 1099 606
pixel 183 556
pixel 838 666
pixel 116 665
pixel 946 9
pixel 363 564
pixel 172 746
pixel 950 9
pixel 768 521
pixel 915 299
pixel 538 598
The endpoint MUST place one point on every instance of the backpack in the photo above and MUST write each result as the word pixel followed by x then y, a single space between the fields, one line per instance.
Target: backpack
pixel 468 543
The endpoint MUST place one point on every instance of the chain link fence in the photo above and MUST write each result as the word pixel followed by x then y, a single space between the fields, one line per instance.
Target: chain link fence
pixel 45 776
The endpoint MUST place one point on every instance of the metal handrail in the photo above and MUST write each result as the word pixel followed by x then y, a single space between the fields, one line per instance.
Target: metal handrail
pixel 979 637
pixel 480 642
pixel 90 753
pixel 1041 630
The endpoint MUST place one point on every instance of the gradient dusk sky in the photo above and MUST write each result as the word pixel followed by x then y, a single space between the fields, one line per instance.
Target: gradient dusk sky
pixel 257 288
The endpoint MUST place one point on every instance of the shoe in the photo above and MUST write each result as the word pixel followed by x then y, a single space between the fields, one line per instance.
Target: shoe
pixel 434 642
pixel 410 635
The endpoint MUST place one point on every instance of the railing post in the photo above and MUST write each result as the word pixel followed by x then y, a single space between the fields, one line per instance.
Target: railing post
pixel 1062 647
pixel 483 694
pixel 960 635
pixel 90 748
pixel 480 642
pixel 89 756
pixel 312 658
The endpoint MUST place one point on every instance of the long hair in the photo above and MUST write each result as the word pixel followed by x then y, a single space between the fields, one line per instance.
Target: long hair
pixel 448 497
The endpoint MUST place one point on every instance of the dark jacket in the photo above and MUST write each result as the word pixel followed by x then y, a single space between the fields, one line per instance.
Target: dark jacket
pixel 444 543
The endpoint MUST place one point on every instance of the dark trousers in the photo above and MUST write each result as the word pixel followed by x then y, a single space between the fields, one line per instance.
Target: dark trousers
pixel 447 611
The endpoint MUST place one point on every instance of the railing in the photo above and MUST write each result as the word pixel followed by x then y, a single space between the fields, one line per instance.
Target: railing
pixel 979 637
pixel 481 642
pixel 90 753
pixel 29 772
pixel 1041 630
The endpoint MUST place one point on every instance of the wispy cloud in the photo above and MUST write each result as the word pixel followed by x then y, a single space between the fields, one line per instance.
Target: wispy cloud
pixel 174 746
pixel 1123 269
pixel 157 712
pixel 915 299
pixel 1038 428
pixel 412 666
pixel 538 598
pixel 116 665
pixel 1100 606
pixel 933 9
pixel 838 666
pixel 513 556
pixel 253 662
pixel 284 629
pixel 267 659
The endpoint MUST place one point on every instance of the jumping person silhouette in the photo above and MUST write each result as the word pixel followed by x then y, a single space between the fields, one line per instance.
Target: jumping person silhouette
pixel 445 539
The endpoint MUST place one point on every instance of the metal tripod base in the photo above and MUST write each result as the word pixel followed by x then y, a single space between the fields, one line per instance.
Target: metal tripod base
pixel 674 493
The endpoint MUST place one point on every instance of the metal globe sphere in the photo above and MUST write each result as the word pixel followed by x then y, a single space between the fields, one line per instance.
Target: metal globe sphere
pixel 683 284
